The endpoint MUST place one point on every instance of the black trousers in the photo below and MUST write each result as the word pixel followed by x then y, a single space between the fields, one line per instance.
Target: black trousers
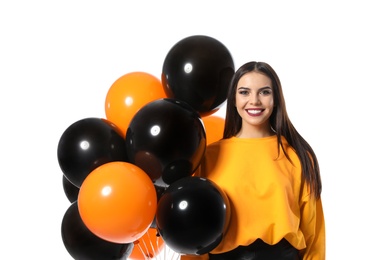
pixel 259 250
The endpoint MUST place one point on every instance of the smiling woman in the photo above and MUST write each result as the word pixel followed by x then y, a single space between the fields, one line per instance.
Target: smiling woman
pixel 269 173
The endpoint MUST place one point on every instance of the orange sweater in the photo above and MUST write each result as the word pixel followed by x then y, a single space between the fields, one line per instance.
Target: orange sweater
pixel 267 197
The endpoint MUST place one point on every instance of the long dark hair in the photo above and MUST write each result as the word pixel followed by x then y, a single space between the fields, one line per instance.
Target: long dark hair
pixel 280 123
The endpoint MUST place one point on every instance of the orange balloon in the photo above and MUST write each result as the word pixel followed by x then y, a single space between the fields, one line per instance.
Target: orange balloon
pixel 117 202
pixel 128 94
pixel 214 126
pixel 148 246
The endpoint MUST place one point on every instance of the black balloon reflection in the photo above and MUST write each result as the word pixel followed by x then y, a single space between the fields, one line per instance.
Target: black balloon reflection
pixel 198 70
pixel 87 144
pixel 82 244
pixel 71 191
pixel 193 215
pixel 166 138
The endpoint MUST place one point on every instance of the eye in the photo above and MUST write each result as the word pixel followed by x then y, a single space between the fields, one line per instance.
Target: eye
pixel 266 92
pixel 243 92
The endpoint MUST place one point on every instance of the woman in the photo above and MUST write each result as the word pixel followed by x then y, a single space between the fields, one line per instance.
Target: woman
pixel 269 173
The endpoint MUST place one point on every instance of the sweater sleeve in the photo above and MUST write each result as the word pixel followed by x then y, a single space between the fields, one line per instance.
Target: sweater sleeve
pixel 313 227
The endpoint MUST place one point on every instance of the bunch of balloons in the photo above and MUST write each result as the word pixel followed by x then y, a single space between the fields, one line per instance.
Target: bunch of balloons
pixel 129 176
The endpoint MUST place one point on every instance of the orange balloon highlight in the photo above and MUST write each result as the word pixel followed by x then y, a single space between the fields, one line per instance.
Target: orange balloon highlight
pixel 128 94
pixel 214 126
pixel 117 202
pixel 148 246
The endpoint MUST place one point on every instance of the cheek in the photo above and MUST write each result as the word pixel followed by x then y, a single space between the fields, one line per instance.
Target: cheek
pixel 237 102
pixel 269 102
pixel 239 110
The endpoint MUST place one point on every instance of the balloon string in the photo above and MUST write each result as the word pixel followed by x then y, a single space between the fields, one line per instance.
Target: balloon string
pixel 166 253
pixel 148 255
pixel 154 253
pixel 169 252
pixel 140 248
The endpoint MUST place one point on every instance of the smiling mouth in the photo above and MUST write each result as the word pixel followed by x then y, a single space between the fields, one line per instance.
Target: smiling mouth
pixel 254 112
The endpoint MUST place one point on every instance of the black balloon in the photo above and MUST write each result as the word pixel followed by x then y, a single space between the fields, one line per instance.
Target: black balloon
pixel 71 191
pixel 160 191
pixel 87 144
pixel 192 215
pixel 198 70
pixel 82 244
pixel 166 138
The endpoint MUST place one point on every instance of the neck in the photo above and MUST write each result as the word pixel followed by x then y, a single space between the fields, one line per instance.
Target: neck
pixel 255 132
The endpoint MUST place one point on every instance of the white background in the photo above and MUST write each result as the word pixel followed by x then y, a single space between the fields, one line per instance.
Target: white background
pixel 59 58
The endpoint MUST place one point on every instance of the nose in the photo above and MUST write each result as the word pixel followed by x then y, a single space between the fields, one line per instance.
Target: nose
pixel 255 100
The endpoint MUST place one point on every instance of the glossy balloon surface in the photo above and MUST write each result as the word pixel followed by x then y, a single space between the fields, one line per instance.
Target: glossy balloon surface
pixel 193 215
pixel 87 144
pixel 198 70
pixel 128 94
pixel 82 244
pixel 117 202
pixel 166 138
pixel 71 191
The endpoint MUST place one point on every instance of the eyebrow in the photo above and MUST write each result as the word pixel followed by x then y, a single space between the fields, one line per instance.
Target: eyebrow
pixel 266 87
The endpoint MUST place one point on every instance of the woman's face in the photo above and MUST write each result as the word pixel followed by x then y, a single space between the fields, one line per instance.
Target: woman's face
pixel 254 101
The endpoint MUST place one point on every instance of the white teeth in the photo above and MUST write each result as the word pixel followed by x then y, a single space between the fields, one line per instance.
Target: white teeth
pixel 252 111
